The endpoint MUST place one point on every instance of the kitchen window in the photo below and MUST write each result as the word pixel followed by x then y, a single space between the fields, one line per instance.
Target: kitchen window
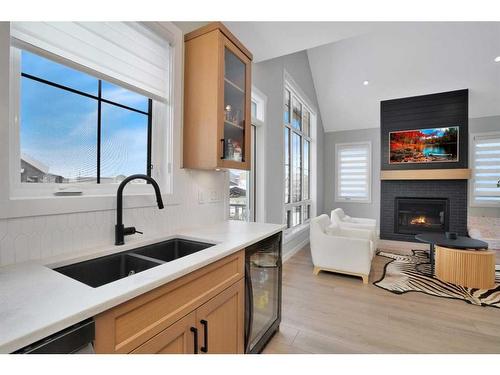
pixel 297 119
pixel 91 104
pixel 85 130
pixel 353 172
pixel 485 157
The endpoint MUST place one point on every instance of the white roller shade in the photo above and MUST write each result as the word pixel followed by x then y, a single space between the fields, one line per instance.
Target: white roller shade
pixel 353 166
pixel 125 52
pixel 486 166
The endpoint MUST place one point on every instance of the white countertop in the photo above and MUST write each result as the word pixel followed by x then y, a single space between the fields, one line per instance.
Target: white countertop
pixel 36 301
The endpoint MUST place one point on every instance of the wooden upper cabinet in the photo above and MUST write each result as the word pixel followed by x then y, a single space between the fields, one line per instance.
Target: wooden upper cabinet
pixel 217 100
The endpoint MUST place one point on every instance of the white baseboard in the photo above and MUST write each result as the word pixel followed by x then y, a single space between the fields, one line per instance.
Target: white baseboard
pixel 290 253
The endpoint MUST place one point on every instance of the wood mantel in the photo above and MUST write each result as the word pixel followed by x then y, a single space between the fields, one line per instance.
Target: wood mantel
pixel 427 174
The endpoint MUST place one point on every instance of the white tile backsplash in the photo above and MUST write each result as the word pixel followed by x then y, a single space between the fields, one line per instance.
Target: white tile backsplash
pixel 29 238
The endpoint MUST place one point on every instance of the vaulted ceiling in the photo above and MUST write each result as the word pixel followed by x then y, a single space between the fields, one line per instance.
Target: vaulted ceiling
pixel 397 60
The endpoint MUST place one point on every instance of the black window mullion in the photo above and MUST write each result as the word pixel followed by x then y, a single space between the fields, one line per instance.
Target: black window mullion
pixel 101 100
pixel 99 107
pixel 150 135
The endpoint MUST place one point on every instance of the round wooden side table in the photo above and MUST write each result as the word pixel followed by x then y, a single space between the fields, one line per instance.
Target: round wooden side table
pixel 469 268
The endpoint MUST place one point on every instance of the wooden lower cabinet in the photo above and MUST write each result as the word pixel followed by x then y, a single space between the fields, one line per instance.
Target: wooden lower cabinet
pixel 222 319
pixel 167 319
pixel 176 339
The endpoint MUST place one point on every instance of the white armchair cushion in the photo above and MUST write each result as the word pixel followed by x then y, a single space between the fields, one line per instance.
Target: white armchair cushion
pixel 333 229
pixel 348 250
pixel 338 216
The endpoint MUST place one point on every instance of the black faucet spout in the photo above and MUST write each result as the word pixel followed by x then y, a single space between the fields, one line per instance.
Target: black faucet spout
pixel 120 230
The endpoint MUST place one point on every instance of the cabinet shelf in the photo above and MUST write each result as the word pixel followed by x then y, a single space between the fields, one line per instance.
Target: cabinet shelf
pixel 234 85
pixel 234 124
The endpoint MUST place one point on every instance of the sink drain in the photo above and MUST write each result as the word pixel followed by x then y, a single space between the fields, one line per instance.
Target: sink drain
pixel 132 272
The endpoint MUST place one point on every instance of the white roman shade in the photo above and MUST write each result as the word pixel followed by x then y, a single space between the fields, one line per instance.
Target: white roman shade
pixel 486 167
pixel 128 53
pixel 353 167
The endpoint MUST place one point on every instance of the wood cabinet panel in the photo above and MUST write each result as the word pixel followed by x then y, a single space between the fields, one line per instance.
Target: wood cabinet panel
pixel 201 77
pixel 223 317
pixel 176 339
pixel 205 135
pixel 127 326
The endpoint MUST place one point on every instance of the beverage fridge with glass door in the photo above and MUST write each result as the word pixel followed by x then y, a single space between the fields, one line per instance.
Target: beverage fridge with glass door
pixel 263 268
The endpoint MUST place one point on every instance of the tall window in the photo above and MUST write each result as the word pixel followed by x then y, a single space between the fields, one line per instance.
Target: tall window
pixel 297 159
pixel 242 189
pixel 486 168
pixel 75 128
pixel 353 172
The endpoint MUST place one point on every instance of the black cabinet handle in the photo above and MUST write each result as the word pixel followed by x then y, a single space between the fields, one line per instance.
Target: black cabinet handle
pixel 195 333
pixel 204 348
pixel 223 149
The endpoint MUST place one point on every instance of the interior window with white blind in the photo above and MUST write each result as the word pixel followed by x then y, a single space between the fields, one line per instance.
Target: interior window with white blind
pixel 353 172
pixel 486 170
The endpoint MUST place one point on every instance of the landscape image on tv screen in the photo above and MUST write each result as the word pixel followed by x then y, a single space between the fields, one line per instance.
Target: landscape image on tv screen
pixel 436 145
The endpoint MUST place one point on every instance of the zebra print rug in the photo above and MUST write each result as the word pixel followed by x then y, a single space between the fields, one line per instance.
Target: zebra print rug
pixel 412 273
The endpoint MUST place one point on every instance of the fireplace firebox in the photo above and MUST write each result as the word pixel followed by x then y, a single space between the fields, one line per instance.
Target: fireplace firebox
pixel 420 215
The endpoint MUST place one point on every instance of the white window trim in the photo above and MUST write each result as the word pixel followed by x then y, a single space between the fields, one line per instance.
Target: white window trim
pixel 291 85
pixel 472 161
pixel 370 173
pixel 16 202
pixel 260 156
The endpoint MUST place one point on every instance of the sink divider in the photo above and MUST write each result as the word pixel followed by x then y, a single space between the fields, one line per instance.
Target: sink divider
pixel 143 257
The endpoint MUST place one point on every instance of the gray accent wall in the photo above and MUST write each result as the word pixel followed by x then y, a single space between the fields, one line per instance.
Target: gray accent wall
pixel 476 125
pixel 370 210
pixel 268 77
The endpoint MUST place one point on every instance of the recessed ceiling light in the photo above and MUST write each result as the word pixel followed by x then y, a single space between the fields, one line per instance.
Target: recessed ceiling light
pixel 366 83
pixel 497 59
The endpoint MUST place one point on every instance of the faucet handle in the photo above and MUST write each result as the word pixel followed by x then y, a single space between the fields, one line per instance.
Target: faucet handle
pixel 130 230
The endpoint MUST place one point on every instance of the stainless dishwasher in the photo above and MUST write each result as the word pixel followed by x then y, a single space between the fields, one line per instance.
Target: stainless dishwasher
pixel 76 339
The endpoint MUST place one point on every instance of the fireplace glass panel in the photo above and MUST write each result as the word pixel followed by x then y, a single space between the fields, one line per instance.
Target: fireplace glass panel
pixel 419 215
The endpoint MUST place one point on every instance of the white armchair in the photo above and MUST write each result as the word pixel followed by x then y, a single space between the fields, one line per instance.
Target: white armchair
pixel 343 250
pixel 338 216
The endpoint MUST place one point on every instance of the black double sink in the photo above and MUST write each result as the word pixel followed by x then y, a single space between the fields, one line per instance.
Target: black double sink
pixel 104 270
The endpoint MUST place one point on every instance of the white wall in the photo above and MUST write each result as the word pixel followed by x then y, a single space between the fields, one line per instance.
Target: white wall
pixel 268 77
pixel 36 237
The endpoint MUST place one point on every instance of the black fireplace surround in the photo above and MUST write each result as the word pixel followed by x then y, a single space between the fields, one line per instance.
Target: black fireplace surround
pixel 454 192
pixel 409 207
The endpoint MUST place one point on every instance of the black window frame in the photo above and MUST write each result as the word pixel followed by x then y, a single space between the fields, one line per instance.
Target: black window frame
pixel 100 100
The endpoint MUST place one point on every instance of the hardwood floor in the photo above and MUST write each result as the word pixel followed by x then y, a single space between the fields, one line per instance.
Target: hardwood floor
pixel 332 313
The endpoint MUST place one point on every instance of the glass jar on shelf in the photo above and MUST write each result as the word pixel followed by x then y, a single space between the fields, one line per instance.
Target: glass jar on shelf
pixel 237 152
pixel 229 149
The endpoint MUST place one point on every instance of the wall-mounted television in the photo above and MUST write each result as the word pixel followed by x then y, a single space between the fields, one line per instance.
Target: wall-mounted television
pixel 435 145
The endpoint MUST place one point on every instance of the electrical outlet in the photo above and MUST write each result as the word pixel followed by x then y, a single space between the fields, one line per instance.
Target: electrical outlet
pixel 213 196
pixel 201 196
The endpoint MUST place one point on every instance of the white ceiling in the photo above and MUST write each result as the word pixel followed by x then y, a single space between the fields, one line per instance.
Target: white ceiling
pixel 268 40
pixel 398 59
pixel 406 61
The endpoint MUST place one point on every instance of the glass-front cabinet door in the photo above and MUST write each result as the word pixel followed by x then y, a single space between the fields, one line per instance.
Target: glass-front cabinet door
pixel 235 125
